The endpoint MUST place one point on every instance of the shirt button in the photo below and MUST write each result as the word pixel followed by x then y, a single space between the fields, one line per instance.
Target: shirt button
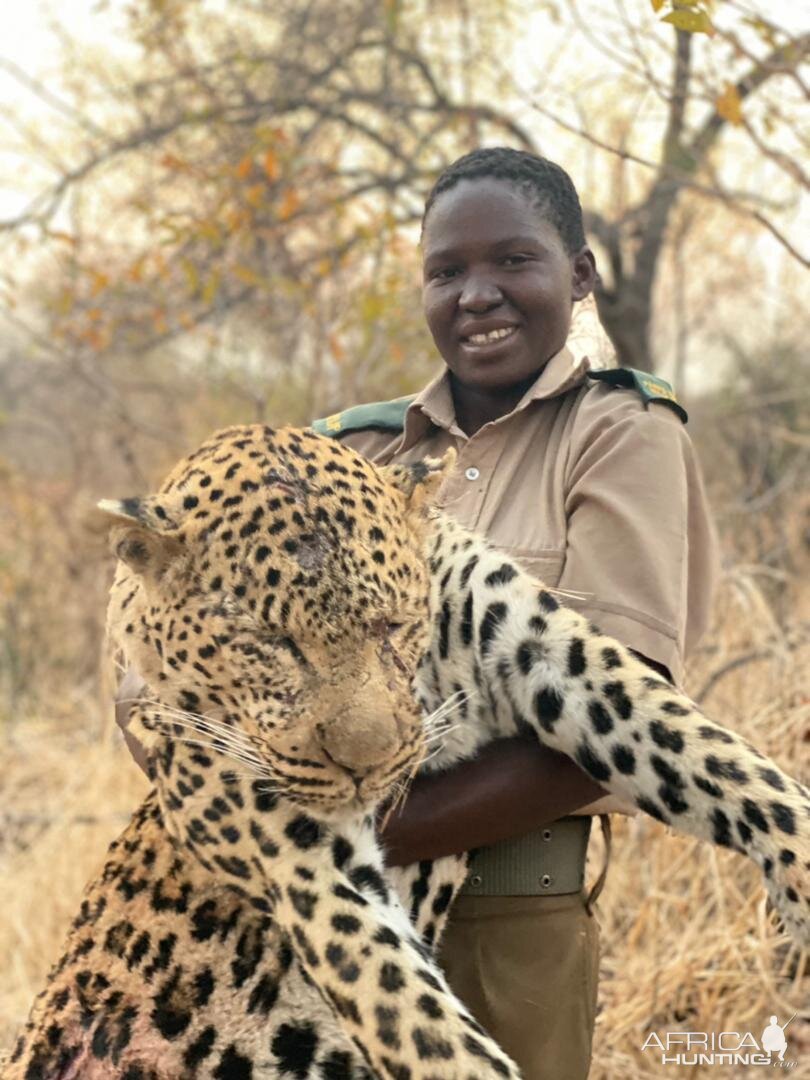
pixel 472 473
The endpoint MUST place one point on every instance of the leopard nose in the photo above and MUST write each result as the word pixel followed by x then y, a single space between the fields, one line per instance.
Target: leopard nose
pixel 359 739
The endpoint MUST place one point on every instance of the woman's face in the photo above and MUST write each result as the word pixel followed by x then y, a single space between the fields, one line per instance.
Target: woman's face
pixel 498 284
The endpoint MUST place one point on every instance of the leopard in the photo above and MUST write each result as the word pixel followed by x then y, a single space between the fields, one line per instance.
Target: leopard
pixel 313 631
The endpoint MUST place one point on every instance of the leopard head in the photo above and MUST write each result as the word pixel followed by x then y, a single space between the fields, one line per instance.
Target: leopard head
pixel 274 595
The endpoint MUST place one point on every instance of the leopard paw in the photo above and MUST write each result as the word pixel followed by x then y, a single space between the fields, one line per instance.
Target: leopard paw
pixel 787 879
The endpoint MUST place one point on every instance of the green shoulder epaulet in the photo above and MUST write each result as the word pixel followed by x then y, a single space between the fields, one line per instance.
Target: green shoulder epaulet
pixel 377 415
pixel 649 387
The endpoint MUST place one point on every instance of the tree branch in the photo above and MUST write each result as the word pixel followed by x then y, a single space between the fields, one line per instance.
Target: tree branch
pixel 732 198
pixel 782 60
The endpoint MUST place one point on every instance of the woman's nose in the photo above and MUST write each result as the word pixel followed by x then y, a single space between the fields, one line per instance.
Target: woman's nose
pixel 480 293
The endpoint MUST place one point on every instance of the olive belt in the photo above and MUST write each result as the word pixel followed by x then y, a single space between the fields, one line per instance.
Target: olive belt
pixel 549 862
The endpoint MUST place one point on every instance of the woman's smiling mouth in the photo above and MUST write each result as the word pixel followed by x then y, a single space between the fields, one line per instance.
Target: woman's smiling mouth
pixel 486 339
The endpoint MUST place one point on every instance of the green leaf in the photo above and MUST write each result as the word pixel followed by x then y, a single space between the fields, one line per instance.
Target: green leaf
pixel 192 275
pixel 211 288
pixel 391 12
pixel 694 22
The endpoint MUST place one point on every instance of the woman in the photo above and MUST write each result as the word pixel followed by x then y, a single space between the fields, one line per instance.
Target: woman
pixel 595 488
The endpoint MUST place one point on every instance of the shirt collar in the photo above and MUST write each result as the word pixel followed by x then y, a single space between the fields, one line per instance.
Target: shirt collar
pixel 434 404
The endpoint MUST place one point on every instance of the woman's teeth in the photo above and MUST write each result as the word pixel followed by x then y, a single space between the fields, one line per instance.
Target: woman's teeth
pixel 493 335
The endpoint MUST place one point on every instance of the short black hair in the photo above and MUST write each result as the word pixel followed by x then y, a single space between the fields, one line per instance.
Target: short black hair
pixel 547 184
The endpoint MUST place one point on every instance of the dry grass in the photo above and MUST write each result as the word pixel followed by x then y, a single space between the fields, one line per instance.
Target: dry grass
pixel 65 795
pixel 687 942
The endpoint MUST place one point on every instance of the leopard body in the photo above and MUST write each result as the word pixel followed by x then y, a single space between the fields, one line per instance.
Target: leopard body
pixel 307 623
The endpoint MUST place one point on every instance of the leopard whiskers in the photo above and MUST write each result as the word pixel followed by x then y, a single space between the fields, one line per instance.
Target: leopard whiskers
pixel 220 750
pixel 214 739
pixel 259 767
pixel 454 701
pixel 260 785
pixel 400 788
pixel 215 732
pixel 215 736
pixel 201 722
pixel 397 796
pixel 437 725
pixel 265 790
pixel 433 753
pixel 441 733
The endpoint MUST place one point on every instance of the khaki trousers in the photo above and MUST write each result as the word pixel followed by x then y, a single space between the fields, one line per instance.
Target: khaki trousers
pixel 527 967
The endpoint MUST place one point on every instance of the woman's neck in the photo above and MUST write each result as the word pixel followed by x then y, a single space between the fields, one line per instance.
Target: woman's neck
pixel 475 408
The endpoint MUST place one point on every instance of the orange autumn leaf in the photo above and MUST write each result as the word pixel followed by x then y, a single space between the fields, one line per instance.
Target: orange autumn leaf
pixel 96 338
pixel 244 167
pixel 171 161
pixel 236 218
pixel 289 204
pixel 338 351
pixel 135 272
pixel 255 194
pixel 270 162
pixel 729 105
pixel 98 282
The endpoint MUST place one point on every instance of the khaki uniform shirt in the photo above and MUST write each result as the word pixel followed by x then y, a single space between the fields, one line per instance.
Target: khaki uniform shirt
pixel 594 491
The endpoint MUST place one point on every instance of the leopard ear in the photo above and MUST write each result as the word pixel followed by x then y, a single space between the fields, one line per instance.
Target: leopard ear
pixel 142 533
pixel 420 482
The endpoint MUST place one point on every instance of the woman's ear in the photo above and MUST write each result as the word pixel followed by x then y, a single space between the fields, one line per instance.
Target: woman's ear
pixel 583 273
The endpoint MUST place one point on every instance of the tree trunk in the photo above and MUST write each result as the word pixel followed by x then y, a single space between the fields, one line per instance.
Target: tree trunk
pixel 626 317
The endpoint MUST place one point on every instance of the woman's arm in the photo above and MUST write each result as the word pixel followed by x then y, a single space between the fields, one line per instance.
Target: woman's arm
pixel 129 690
pixel 511 787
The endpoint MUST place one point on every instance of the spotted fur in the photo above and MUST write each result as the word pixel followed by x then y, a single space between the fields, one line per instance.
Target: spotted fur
pixel 283 599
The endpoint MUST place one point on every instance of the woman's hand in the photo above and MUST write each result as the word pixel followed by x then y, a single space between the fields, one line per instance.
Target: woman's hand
pixel 130 689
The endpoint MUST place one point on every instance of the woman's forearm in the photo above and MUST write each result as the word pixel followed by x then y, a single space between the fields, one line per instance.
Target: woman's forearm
pixel 512 787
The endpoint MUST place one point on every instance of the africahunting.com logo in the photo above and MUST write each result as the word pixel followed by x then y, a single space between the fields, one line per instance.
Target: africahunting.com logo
pixel 723 1047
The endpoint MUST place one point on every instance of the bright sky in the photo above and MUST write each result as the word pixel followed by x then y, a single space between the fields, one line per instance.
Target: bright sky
pixel 29 39
pixel 30 44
